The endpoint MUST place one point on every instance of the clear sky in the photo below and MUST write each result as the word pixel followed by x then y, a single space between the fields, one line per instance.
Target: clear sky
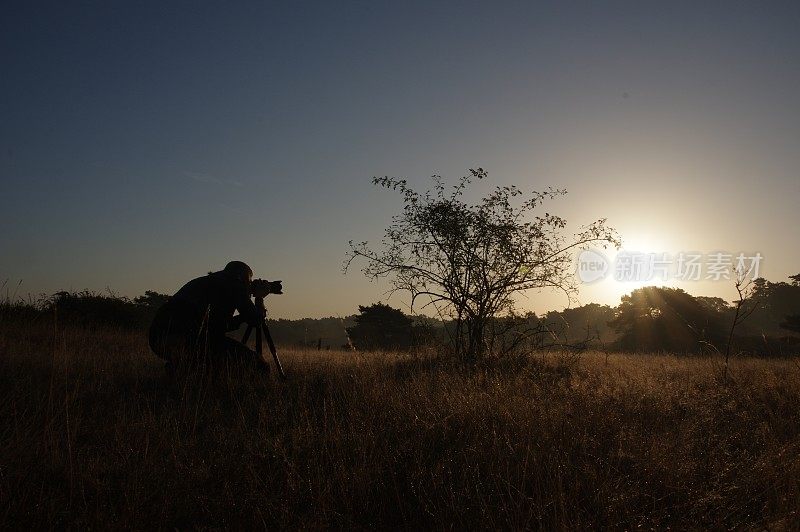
pixel 146 143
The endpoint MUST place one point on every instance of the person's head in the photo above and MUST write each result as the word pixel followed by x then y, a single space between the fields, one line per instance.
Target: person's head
pixel 239 270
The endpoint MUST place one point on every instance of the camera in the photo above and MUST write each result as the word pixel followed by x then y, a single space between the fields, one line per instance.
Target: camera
pixel 262 287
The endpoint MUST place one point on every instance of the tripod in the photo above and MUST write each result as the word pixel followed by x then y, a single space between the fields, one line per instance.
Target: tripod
pixel 262 329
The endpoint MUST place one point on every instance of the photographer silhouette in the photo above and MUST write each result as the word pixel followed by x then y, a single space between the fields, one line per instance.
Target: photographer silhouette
pixel 189 331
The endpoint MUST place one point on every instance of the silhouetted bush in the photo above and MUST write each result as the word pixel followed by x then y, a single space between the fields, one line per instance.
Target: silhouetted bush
pixel 20 310
pixel 380 326
pixel 87 309
pixel 90 309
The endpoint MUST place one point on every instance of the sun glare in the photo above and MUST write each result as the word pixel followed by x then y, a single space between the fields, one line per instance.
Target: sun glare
pixel 617 283
pixel 645 243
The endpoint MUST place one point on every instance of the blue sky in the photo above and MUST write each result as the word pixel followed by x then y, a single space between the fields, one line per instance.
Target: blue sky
pixel 145 143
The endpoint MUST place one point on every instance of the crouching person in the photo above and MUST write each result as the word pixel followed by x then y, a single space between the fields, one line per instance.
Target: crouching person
pixel 189 331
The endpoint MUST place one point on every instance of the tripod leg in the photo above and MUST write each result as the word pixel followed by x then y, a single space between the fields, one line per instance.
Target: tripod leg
pixel 259 349
pixel 247 333
pixel 274 351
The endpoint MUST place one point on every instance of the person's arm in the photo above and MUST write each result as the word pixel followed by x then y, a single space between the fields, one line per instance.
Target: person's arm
pixel 248 312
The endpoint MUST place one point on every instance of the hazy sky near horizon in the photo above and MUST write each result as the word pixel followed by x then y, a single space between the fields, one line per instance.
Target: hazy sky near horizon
pixel 146 143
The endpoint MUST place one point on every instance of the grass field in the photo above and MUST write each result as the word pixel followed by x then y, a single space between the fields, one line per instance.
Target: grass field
pixel 91 437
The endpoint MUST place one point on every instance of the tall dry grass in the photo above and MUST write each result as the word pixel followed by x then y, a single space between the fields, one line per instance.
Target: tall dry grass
pixel 91 437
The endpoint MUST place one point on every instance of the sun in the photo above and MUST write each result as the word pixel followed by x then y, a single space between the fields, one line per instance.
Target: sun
pixel 622 276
